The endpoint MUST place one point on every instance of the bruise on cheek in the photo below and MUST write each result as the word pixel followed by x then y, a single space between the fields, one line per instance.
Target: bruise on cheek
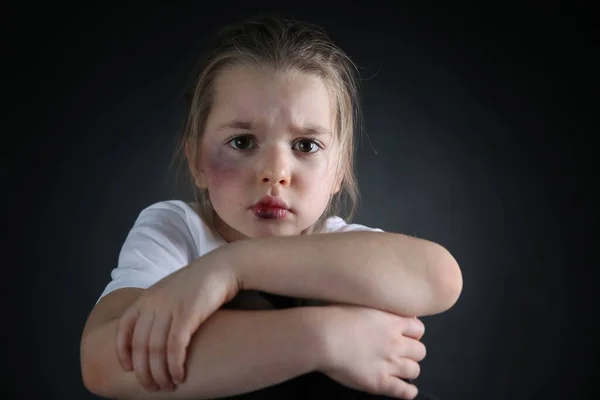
pixel 222 167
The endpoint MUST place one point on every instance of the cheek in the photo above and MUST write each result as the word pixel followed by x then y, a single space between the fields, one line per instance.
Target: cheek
pixel 316 181
pixel 222 169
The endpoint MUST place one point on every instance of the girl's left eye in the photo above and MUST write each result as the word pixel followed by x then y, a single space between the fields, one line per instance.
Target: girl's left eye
pixel 307 146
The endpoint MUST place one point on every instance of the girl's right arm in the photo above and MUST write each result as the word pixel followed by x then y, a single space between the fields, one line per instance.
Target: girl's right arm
pixel 234 351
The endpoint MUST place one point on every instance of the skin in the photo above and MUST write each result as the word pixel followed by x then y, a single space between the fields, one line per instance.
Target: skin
pixel 286 148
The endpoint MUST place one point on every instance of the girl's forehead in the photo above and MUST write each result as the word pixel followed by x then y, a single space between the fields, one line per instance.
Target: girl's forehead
pixel 253 95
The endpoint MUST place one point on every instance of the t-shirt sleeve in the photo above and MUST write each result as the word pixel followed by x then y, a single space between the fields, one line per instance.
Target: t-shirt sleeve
pixel 158 244
pixel 337 224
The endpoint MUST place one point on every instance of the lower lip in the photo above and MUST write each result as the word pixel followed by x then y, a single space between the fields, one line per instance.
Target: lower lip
pixel 265 212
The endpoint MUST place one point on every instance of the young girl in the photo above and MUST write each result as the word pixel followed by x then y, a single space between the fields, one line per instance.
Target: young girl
pixel 269 144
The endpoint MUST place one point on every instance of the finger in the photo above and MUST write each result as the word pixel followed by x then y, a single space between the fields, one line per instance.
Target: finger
pixel 407 369
pixel 139 347
pixel 125 327
pixel 400 389
pixel 158 353
pixel 413 350
pixel 414 328
pixel 176 348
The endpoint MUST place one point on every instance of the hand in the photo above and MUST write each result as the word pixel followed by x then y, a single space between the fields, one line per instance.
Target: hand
pixel 373 351
pixel 154 332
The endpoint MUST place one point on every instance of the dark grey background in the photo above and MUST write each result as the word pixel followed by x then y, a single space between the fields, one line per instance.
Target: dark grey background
pixel 480 137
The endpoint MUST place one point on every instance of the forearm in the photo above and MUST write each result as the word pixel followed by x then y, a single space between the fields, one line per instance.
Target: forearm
pixel 396 273
pixel 233 352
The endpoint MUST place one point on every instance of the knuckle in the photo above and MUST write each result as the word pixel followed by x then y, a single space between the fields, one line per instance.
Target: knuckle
pixel 390 358
pixel 182 309
pixel 396 340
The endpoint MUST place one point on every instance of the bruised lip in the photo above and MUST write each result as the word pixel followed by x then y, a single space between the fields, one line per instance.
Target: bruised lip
pixel 270 207
pixel 271 201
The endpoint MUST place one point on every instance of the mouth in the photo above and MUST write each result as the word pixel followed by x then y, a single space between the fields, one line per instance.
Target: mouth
pixel 270 208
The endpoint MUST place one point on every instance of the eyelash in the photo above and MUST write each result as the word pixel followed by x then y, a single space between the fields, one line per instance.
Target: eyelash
pixel 231 140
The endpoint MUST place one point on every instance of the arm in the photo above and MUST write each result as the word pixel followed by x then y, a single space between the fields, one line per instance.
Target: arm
pixel 233 352
pixel 387 271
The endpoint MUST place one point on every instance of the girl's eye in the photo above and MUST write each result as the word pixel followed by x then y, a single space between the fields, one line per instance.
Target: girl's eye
pixel 306 146
pixel 241 142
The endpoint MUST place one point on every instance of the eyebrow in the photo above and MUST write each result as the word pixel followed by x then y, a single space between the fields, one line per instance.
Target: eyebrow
pixel 248 126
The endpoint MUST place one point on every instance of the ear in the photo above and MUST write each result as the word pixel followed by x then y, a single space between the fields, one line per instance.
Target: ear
pixel 195 168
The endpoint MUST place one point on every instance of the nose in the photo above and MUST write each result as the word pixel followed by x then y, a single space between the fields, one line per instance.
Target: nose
pixel 276 168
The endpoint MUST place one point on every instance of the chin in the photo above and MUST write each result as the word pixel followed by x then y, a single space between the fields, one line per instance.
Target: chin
pixel 270 232
pixel 262 229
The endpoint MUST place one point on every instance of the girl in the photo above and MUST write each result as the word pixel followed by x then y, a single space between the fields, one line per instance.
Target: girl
pixel 269 145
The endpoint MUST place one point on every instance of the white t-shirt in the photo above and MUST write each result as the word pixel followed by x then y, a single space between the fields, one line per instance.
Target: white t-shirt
pixel 167 236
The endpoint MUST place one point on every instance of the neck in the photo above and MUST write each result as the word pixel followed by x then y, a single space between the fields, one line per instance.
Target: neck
pixel 231 235
pixel 225 231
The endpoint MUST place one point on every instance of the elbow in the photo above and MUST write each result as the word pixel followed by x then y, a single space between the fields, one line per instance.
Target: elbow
pixel 89 382
pixel 447 280
pixel 91 372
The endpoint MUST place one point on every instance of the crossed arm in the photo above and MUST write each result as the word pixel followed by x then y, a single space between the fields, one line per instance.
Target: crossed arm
pixel 241 351
pixel 387 271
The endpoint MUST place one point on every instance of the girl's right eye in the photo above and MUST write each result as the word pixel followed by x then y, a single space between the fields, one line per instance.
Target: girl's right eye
pixel 242 143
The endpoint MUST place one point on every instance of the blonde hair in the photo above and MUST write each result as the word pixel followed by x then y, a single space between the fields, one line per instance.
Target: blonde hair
pixel 283 45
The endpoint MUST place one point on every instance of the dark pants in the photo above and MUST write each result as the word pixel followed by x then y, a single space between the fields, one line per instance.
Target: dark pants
pixel 314 386
pixel 310 386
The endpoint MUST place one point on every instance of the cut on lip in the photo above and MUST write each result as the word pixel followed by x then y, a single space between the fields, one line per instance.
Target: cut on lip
pixel 270 213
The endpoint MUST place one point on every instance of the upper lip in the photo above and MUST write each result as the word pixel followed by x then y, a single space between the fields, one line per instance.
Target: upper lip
pixel 271 201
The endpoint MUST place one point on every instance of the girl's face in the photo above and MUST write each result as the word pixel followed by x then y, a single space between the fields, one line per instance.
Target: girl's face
pixel 269 135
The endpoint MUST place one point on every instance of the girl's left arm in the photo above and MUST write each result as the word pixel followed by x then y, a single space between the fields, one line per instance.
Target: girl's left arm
pixel 397 273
